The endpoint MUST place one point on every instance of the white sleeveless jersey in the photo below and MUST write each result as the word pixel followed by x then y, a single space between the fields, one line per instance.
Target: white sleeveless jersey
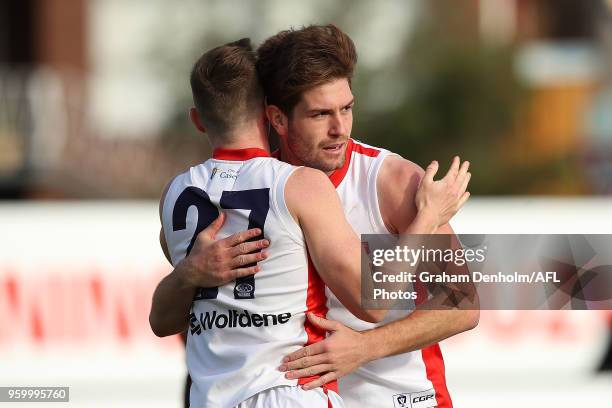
pixel 239 332
pixel 413 379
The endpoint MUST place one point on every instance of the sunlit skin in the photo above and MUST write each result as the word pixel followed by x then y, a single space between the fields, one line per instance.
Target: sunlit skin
pixel 317 131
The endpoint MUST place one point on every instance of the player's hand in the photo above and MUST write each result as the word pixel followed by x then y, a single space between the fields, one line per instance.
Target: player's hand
pixel 214 263
pixel 338 355
pixel 442 199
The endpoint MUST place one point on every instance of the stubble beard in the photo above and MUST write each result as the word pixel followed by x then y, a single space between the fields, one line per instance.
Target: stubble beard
pixel 310 158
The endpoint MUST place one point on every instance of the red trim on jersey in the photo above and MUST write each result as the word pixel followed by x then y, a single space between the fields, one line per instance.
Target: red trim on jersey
pixel 316 302
pixel 432 357
pixel 338 175
pixel 434 365
pixel 329 404
pixel 368 151
pixel 239 154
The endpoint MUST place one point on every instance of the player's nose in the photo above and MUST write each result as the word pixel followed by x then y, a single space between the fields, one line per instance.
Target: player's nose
pixel 337 126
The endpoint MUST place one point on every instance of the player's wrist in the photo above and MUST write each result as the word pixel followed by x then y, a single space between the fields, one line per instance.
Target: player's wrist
pixel 425 222
pixel 185 272
pixel 371 346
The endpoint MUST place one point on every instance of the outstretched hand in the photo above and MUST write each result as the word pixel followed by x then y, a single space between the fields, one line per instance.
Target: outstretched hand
pixel 443 198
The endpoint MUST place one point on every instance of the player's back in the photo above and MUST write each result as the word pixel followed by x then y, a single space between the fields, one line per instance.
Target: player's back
pixel 239 332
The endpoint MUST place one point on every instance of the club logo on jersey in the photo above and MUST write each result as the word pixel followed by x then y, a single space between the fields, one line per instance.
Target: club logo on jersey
pixel 423 399
pixel 194 325
pixel 232 319
pixel 244 291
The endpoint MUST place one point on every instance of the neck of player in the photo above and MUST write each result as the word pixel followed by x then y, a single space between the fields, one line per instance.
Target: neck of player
pixel 252 135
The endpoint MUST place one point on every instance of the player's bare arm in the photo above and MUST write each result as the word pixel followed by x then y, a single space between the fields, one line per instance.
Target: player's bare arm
pixel 334 247
pixel 428 326
pixel 210 263
pixel 400 183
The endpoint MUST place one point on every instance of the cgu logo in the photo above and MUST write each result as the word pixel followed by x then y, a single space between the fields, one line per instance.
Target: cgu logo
pixel 422 398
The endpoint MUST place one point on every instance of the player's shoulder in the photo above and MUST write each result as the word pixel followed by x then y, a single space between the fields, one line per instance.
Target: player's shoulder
pixel 365 150
pixel 307 178
pixel 265 165
pixel 396 167
pixel 397 184
pixel 162 198
pixel 196 175
pixel 393 167
pixel 184 178
pixel 307 188
pixel 392 162
pixel 276 163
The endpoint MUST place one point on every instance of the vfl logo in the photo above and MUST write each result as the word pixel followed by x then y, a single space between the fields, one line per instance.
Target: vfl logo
pixel 401 400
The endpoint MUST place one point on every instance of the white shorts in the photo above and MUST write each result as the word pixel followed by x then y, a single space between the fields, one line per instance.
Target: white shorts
pixel 286 396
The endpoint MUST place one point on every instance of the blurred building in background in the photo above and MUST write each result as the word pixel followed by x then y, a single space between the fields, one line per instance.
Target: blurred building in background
pixel 51 145
pixel 564 60
pixel 93 93
pixel 508 84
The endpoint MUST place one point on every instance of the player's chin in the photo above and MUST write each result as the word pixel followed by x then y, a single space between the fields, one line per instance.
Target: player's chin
pixel 332 159
pixel 328 164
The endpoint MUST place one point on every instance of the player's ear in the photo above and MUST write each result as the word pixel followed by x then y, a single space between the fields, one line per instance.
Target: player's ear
pixel 195 119
pixel 277 119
